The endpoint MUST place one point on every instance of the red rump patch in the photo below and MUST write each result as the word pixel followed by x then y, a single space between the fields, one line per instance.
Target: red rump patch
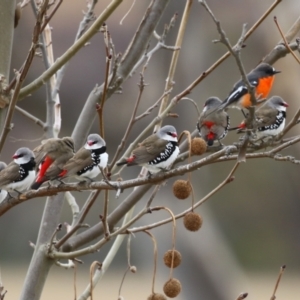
pixel 130 159
pixel 209 124
pixel 47 162
pixel 62 173
pixel 242 125
pixel 211 136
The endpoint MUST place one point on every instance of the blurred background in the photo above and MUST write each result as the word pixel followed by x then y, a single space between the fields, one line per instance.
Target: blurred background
pixel 251 227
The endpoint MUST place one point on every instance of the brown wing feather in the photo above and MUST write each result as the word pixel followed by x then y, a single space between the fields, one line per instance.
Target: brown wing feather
pixel 81 159
pixel 53 147
pixel 9 174
pixel 149 149
pixel 58 165
pixel 266 116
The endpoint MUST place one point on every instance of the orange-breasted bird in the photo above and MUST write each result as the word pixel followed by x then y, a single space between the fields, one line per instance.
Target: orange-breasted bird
pixel 262 78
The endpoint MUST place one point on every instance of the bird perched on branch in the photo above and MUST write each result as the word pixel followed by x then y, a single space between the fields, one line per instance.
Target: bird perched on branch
pixel 157 152
pixel 20 173
pixel 270 118
pixel 51 156
pixel 213 124
pixel 87 161
pixel 261 78
pixel 3 193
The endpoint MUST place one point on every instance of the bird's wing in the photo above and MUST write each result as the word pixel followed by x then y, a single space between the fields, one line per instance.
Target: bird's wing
pixel 81 159
pixel 58 165
pixel 149 149
pixel 266 116
pixel 9 174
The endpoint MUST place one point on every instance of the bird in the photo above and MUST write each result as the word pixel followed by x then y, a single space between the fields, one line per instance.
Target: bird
pixel 270 118
pixel 87 161
pixel 262 78
pixel 20 173
pixel 3 193
pixel 51 156
pixel 157 152
pixel 213 126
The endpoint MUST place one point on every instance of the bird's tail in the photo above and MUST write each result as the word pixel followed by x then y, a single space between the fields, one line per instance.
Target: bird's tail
pixel 122 162
pixel 36 185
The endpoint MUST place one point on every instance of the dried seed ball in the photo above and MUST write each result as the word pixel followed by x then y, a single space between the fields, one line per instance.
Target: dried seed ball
pixel 182 189
pixel 157 296
pixel 192 221
pixel 172 288
pixel 198 146
pixel 168 258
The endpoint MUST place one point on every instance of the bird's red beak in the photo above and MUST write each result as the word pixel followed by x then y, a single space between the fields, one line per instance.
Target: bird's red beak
pixel 90 143
pixel 15 156
pixel 174 134
pixel 285 104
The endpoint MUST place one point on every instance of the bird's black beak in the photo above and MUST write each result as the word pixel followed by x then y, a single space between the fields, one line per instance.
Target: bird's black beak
pixel 276 72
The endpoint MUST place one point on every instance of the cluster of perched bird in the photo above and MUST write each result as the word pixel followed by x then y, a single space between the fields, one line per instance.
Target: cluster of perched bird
pixel 270 117
pixel 55 159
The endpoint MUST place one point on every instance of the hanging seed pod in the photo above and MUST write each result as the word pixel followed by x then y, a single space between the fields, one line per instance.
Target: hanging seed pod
pixel 172 288
pixel 192 221
pixel 157 296
pixel 168 258
pixel 182 189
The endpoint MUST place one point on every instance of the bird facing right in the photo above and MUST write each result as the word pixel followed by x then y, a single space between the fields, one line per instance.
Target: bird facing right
pixel 270 117
pixel 157 152
pixel 84 165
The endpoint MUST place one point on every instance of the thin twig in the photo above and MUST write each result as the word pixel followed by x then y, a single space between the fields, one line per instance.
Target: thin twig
pixel 69 234
pixel 105 213
pixel 30 116
pixel 48 19
pixel 131 122
pixel 273 297
pixel 107 69
pixel 154 257
pixel 174 60
pixel 22 75
pixel 285 41
pixel 173 235
pixel 110 8
pixel 93 267
pixel 228 179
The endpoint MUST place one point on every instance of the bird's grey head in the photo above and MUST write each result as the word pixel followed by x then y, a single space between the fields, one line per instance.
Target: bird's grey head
pixel 278 103
pixel 3 165
pixel 23 156
pixel 167 133
pixel 211 103
pixel 69 142
pixel 94 141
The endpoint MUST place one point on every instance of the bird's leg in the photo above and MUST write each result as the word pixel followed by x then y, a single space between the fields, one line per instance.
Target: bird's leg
pixel 149 175
pixel 244 113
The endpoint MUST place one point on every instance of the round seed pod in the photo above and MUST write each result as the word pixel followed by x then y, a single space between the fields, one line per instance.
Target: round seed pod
pixel 182 189
pixel 198 146
pixel 168 258
pixel 172 288
pixel 157 296
pixel 192 221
